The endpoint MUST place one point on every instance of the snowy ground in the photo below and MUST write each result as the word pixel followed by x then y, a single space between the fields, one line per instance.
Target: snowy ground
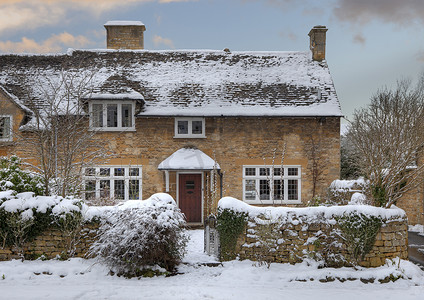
pixel 83 279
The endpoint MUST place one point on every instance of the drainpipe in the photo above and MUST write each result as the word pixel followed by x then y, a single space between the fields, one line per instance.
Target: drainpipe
pixel 220 183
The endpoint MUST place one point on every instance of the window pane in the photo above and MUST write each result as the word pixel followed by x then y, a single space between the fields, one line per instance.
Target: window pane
pixel 90 189
pixel 120 189
pixel 250 171
pixel 5 128
pixel 250 190
pixel 264 189
pixel 90 172
pixel 292 189
pixel 134 190
pixel 278 189
pixel 182 127
pixel 97 115
pixel 134 172
pixel 264 171
pixel 112 115
pixel 196 127
pixel 104 171
pixel 127 115
pixel 119 172
pixel 292 171
pixel 104 188
pixel 277 171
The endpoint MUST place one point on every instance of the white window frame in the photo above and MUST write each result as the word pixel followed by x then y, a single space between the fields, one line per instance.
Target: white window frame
pixel 119 116
pixel 10 138
pixel 270 177
pixel 97 177
pixel 190 133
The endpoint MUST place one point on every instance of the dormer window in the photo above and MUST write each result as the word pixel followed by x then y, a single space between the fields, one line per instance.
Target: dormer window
pixel 189 128
pixel 112 115
pixel 5 128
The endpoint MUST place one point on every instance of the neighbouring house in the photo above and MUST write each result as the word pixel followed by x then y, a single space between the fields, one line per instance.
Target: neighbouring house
pixel 263 127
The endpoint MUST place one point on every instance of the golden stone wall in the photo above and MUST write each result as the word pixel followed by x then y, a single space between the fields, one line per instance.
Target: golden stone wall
pixel 298 241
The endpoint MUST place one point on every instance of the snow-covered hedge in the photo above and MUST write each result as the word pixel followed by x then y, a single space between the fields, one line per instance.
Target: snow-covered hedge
pixel 25 216
pixel 13 177
pixel 142 234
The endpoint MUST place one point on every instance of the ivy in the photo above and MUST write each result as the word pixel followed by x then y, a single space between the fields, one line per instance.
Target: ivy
pixel 359 232
pixel 230 225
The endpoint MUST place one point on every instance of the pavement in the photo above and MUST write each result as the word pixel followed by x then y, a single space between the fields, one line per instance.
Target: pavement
pixel 416 248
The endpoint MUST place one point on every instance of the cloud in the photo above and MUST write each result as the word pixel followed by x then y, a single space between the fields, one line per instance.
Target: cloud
pixel 53 44
pixel 359 39
pixel 404 13
pixel 289 34
pixel 420 56
pixel 31 14
pixel 158 40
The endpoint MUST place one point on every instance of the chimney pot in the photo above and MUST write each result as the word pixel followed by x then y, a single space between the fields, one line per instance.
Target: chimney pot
pixel 317 42
pixel 125 35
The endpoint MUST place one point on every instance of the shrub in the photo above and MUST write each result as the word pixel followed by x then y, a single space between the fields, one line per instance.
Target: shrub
pixel 133 238
pixel 24 217
pixel 13 177
pixel 230 224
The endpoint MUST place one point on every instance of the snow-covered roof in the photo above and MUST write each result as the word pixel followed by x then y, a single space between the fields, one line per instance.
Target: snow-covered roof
pixel 188 159
pixel 15 100
pixel 187 82
pixel 124 23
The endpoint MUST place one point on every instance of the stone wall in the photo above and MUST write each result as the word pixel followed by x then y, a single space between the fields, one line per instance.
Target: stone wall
pixel 52 243
pixel 233 142
pixel 295 242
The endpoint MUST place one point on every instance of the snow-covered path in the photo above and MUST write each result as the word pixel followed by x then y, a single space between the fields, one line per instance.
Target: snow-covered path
pixel 82 279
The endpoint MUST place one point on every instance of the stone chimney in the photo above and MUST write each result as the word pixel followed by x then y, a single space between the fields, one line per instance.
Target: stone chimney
pixel 317 42
pixel 125 35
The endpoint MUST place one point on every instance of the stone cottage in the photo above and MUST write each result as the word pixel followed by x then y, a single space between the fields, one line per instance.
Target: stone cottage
pixel 263 127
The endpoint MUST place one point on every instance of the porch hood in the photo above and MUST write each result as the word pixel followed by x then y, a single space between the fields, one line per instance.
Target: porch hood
pixel 189 159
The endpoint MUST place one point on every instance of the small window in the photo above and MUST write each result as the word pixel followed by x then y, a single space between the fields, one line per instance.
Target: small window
pixel 182 127
pixel 104 172
pixel 189 128
pixel 5 128
pixel 134 172
pixel 107 116
pixel 119 172
pixel 90 172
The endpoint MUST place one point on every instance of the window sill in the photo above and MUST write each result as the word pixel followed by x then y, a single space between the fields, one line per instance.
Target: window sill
pixel 113 129
pixel 270 202
pixel 189 136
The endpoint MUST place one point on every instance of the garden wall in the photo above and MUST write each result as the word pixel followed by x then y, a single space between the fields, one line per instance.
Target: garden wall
pixel 52 243
pixel 336 235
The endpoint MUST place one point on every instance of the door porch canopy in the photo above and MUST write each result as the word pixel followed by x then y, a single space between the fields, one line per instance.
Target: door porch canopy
pixel 187 159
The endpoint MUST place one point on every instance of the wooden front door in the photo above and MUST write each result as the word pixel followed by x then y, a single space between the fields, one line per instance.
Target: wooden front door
pixel 190 196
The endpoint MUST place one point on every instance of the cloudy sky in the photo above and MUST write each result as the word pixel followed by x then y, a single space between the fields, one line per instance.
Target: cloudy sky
pixel 370 43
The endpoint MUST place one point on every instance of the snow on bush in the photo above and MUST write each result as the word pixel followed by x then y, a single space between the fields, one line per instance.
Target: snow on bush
pixel 13 177
pixel 25 216
pixel 340 191
pixel 142 234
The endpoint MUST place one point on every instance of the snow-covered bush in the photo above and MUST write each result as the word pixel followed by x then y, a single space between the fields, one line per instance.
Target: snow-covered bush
pixel 24 216
pixel 142 234
pixel 13 177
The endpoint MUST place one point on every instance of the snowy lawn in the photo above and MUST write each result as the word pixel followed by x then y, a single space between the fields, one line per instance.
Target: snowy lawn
pixel 84 279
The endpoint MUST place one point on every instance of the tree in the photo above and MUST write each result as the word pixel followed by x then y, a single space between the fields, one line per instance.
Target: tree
pixel 58 138
pixel 388 137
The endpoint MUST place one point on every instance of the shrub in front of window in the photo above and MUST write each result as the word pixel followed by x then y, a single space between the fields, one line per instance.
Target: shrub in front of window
pixel 137 238
pixel 13 177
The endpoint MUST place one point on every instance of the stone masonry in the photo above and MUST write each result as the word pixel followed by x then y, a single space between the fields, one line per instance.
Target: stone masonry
pixel 295 242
